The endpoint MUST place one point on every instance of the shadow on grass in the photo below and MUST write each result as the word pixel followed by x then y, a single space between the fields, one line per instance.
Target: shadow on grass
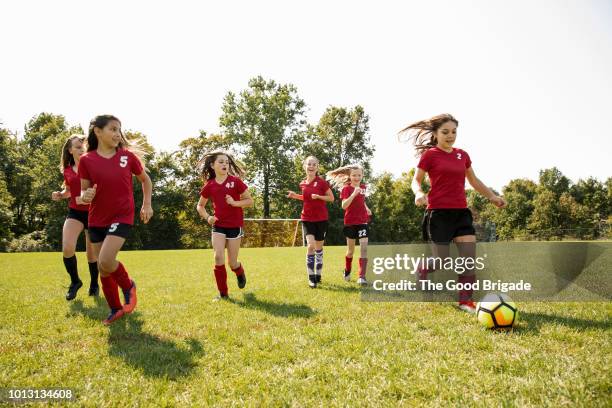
pixel 154 356
pixel 340 288
pixel 275 309
pixel 533 322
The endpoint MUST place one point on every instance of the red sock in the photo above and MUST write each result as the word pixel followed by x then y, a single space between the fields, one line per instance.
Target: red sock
pixel 111 292
pixel 121 277
pixel 221 278
pixel 363 266
pixel 239 270
pixel 348 263
pixel 466 294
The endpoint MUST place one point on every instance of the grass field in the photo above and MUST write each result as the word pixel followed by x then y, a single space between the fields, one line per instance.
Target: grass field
pixel 280 343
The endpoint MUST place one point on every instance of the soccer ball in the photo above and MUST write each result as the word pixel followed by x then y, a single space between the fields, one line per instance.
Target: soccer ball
pixel 497 311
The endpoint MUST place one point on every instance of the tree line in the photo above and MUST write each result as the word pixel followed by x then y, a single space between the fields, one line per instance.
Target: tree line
pixel 266 126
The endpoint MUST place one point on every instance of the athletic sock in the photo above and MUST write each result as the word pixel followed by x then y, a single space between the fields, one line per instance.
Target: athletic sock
pixel 93 273
pixel 111 292
pixel 363 266
pixel 121 277
pixel 71 268
pixel 221 279
pixel 348 264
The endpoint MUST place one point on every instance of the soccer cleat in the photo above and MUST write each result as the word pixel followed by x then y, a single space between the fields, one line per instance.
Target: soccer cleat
pixel 241 280
pixel 220 297
pixel 467 306
pixel 94 290
pixel 312 281
pixel 347 276
pixel 362 282
pixel 115 314
pixel 130 298
pixel 318 278
pixel 73 289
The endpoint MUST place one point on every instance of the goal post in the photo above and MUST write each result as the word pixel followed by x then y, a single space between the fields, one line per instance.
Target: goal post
pixel 272 232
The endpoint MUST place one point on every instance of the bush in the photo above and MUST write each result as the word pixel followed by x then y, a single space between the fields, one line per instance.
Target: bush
pixel 33 242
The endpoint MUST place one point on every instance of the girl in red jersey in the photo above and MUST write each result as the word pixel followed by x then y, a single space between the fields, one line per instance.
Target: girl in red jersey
pixel 76 220
pixel 229 195
pixel 315 194
pixel 447 217
pixel 356 216
pixel 106 184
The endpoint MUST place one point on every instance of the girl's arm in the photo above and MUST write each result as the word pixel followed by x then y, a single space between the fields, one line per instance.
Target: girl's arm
pixel 59 195
pixel 483 189
pixel 347 201
pixel 245 200
pixel 146 211
pixel 420 198
pixel 294 195
pixel 87 192
pixel 201 208
pixel 329 196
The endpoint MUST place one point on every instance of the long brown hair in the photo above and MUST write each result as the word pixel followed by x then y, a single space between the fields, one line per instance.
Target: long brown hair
pixel 67 160
pixel 341 176
pixel 205 165
pixel 422 132
pixel 134 145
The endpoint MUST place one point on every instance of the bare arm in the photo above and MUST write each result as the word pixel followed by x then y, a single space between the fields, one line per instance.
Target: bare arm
pixel 420 198
pixel 245 200
pixel 329 196
pixel 146 211
pixel 483 189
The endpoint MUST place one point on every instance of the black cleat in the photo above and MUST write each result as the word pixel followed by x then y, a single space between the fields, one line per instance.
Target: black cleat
pixel 312 281
pixel 73 289
pixel 318 277
pixel 94 290
pixel 347 276
pixel 241 280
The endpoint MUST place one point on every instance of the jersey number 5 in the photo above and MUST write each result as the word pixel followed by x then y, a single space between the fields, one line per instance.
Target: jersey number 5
pixel 123 161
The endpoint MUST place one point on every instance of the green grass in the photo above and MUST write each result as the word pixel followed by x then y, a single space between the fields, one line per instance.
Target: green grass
pixel 280 343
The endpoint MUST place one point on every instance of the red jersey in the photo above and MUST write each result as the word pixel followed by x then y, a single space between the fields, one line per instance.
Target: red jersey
pixel 114 199
pixel 73 182
pixel 227 215
pixel 447 176
pixel 356 212
pixel 314 210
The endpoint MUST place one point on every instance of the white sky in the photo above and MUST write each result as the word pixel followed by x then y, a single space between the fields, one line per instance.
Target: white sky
pixel 529 81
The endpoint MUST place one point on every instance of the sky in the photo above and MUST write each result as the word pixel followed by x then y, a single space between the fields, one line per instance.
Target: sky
pixel 529 81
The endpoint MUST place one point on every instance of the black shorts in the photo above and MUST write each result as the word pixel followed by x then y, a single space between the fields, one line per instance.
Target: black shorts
pixel 441 226
pixel 78 215
pixel 230 233
pixel 356 231
pixel 317 228
pixel 97 234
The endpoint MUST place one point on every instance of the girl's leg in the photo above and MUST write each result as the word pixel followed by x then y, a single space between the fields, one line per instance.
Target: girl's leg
pixel 70 234
pixel 233 247
pixel 114 275
pixel 363 260
pixel 348 258
pixel 466 246
pixel 318 260
pixel 92 261
pixel 310 260
pixel 218 243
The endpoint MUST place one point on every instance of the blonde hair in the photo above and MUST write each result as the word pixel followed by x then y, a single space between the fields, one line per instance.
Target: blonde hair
pixel 66 159
pixel 341 176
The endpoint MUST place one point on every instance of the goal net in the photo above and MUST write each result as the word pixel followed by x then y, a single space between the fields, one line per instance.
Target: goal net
pixel 283 232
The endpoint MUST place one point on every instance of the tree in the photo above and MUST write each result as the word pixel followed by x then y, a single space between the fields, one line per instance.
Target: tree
pixel 553 180
pixel 6 201
pixel 264 124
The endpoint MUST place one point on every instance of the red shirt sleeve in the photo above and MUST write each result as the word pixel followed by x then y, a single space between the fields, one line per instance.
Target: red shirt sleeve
pixel 240 186
pixel 135 165
pixel 468 161
pixel 324 186
pixel 66 182
pixel 424 161
pixel 83 173
pixel 346 192
pixel 205 191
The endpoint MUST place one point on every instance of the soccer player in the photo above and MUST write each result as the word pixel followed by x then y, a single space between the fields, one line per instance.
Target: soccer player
pixel 315 194
pixel 229 195
pixel 106 184
pixel 356 216
pixel 76 220
pixel 447 218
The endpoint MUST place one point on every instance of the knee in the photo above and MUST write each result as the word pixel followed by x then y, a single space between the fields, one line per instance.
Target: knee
pixel 219 259
pixel 310 248
pixel 350 252
pixel 68 250
pixel 106 265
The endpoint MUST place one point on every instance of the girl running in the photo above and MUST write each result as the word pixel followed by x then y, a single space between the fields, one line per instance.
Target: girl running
pixel 76 220
pixel 356 216
pixel 229 195
pixel 106 184
pixel 447 217
pixel 315 193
